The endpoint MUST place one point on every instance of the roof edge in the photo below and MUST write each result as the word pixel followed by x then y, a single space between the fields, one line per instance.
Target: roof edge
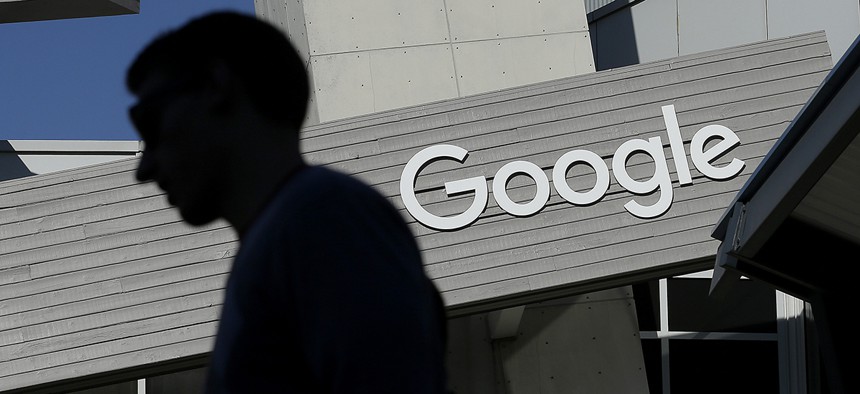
pixel 832 84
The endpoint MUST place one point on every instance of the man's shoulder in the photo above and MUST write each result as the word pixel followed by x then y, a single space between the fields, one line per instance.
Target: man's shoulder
pixel 322 183
pixel 319 192
pixel 321 201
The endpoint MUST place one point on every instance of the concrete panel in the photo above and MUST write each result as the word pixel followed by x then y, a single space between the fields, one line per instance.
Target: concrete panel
pixel 342 85
pixel 644 32
pixel 289 16
pixel 591 5
pixel 312 116
pixel 575 347
pixel 614 41
pixel 583 55
pixel 709 25
pixel 337 26
pixel 297 31
pixel 470 356
pixel 274 12
pixel 491 19
pixel 840 19
pixel 656 28
pixel 409 76
pixel 484 66
pixel 296 28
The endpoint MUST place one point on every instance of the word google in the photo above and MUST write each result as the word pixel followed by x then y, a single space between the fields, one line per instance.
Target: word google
pixel 702 159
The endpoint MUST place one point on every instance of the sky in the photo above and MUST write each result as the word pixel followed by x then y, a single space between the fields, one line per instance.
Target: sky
pixel 64 79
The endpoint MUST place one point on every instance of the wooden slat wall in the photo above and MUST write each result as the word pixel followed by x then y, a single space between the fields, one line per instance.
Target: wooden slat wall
pixel 97 272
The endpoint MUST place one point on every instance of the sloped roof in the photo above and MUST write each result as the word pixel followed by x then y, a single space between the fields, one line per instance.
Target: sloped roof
pixel 39 10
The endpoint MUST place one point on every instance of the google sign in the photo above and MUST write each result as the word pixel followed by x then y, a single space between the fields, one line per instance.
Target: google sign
pixel 701 156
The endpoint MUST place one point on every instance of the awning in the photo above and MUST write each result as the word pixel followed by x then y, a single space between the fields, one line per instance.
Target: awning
pixel 796 222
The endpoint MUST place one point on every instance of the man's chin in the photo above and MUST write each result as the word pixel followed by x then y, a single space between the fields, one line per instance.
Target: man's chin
pixel 196 218
pixel 196 214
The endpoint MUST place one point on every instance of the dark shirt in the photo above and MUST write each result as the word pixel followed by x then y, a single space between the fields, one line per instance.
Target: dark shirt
pixel 328 295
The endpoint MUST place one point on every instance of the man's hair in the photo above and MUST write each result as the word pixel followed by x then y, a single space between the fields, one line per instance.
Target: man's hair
pixel 259 55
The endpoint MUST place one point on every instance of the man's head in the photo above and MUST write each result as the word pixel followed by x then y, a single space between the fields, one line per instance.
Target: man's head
pixel 255 51
pixel 202 90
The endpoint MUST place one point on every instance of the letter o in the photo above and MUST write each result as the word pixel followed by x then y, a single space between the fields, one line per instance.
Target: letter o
pixel 559 177
pixel 521 167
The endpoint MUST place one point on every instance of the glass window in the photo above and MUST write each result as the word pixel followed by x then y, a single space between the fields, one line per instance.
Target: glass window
pixel 716 366
pixel 653 354
pixel 118 388
pixel 190 381
pixel 647 297
pixel 749 307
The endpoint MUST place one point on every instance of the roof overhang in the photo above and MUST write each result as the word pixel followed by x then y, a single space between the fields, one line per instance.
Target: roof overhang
pixel 804 195
pixel 38 10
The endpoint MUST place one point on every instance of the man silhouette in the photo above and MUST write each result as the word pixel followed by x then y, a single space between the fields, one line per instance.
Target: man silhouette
pixel 327 292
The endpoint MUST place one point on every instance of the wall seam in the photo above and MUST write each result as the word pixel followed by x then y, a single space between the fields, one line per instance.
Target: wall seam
pixel 451 48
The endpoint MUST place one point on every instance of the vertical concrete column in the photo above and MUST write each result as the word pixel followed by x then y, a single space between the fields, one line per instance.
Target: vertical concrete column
pixel 372 56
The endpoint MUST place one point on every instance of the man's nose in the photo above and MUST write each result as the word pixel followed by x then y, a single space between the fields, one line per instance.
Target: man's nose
pixel 145 168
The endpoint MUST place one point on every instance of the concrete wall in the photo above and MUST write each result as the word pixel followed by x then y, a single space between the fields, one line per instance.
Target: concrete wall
pixel 645 31
pixel 371 56
pixel 585 344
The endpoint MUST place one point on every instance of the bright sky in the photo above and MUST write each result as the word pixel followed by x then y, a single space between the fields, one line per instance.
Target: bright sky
pixel 64 79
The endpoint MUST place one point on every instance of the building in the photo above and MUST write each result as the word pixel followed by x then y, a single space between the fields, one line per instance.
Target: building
pixel 577 262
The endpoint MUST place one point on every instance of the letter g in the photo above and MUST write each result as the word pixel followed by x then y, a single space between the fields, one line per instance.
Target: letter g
pixel 476 184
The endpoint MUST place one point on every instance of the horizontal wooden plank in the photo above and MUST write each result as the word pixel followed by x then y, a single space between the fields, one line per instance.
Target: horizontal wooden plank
pixel 561 213
pixel 569 224
pixel 41 210
pixel 109 318
pixel 580 250
pixel 59 297
pixel 115 248
pixel 13 275
pixel 175 276
pixel 91 229
pixel 95 336
pixel 699 253
pixel 90 214
pixel 115 301
pixel 681 259
pixel 118 361
pixel 126 268
pixel 67 176
pixel 56 191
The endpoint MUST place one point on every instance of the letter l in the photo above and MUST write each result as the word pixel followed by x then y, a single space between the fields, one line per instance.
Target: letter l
pixel 679 155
